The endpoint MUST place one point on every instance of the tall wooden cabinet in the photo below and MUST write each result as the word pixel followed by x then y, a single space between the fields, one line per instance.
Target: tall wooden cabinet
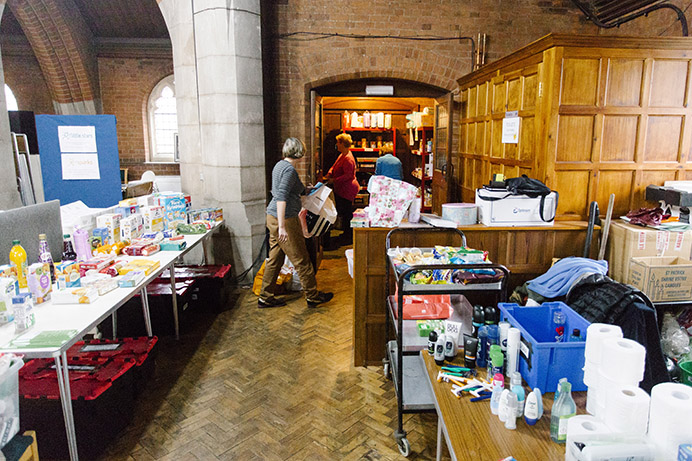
pixel 599 115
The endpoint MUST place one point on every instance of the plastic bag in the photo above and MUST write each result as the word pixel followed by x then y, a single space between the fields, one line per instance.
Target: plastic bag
pixel 282 281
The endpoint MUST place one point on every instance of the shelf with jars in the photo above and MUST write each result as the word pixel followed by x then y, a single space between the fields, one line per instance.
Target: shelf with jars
pixel 421 143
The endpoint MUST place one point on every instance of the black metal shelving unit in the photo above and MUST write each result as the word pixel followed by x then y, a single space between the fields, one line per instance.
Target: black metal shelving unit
pixel 402 358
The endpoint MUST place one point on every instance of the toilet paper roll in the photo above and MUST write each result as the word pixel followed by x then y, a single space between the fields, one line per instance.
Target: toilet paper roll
pixel 623 360
pixel 595 334
pixel 627 410
pixel 591 374
pixel 605 383
pixel 670 418
pixel 591 400
pixel 586 428
pixel 513 340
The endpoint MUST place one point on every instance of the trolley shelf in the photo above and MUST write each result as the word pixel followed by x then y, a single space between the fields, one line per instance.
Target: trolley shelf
pixel 411 341
pixel 417 393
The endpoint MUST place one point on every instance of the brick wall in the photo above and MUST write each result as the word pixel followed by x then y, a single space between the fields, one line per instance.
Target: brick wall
pixel 509 25
pixel 125 87
pixel 24 77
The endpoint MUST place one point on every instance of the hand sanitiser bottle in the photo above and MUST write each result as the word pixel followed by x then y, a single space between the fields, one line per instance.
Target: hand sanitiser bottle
pixel 563 409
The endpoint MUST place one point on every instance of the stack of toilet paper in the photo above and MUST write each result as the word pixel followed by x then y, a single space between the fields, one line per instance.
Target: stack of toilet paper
pixel 626 422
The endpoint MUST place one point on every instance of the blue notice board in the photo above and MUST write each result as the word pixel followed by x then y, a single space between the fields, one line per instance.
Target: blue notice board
pixel 79 159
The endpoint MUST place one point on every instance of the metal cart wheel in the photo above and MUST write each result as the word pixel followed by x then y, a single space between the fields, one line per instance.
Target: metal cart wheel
pixel 386 369
pixel 404 447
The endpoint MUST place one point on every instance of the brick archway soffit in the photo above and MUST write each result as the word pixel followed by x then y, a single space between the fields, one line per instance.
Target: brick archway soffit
pixel 61 42
pixel 440 71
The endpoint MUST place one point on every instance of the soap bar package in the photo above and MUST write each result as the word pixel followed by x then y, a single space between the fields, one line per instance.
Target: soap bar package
pixel 82 295
pixel 110 221
pixel 38 280
pixel 153 218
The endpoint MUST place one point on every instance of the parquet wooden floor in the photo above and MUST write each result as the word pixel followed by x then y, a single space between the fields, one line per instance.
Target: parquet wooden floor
pixel 271 384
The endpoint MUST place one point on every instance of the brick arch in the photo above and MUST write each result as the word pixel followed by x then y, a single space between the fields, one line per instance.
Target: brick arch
pixel 61 41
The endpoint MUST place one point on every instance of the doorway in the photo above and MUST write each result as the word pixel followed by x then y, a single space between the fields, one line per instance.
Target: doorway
pixel 407 120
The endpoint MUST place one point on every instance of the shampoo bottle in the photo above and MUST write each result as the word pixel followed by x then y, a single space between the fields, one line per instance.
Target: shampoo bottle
pixel 440 350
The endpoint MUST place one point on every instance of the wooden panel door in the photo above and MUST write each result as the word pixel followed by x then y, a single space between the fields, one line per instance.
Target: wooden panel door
pixel 443 169
pixel 316 137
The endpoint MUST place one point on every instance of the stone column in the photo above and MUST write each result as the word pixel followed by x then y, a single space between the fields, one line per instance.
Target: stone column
pixel 218 80
pixel 9 195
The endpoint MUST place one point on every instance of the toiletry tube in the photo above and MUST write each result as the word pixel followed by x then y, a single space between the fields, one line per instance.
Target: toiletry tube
pixel 513 340
pixel 595 334
pixel 669 418
pixel 504 329
pixel 623 359
pixel 627 410
pixel 470 349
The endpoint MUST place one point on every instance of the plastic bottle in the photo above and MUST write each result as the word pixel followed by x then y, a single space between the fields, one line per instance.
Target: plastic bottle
pixel 502 410
pixel 498 387
pixel 432 339
pixel 81 244
pixel 482 355
pixel 450 347
pixel 346 121
pixel 498 362
pixel 44 255
pixel 366 119
pixel 531 415
pixel 563 409
pixel 518 390
pixel 478 319
pixel 575 336
pixel 512 405
pixel 68 253
pixel 504 329
pixel 494 349
pixel 559 386
pixel 440 350
pixel 18 262
pixel 559 320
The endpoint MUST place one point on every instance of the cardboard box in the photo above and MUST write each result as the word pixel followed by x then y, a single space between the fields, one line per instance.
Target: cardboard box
pixel 111 222
pixel 175 210
pixel 513 210
pixel 665 278
pixel 626 241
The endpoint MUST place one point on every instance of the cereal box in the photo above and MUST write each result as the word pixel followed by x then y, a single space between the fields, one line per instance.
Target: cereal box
pixel 110 221
pixel 174 210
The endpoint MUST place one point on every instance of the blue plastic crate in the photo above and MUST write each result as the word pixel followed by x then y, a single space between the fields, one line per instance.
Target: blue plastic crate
pixel 543 361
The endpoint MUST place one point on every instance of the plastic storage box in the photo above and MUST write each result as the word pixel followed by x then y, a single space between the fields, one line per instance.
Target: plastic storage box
pixel 102 402
pixel 141 350
pixel 9 396
pixel 542 360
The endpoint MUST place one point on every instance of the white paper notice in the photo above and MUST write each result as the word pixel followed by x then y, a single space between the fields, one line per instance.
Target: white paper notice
pixel 510 130
pixel 80 166
pixel 77 139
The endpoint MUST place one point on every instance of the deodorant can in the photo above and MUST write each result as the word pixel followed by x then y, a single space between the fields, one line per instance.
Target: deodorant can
pixel 432 339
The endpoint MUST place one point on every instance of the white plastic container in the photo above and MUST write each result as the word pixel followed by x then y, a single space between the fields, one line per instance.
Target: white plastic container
pixel 349 260
pixel 9 400
pixel 463 214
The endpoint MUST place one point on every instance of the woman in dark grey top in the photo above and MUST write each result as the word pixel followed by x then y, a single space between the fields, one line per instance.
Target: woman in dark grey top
pixel 285 232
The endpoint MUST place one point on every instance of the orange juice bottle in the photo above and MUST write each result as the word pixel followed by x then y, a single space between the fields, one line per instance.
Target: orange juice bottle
pixel 18 261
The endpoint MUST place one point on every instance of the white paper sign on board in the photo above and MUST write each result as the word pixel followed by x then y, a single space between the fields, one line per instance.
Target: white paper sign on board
pixel 80 166
pixel 77 139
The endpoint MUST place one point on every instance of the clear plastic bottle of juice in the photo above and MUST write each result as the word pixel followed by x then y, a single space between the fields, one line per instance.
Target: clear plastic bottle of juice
pixel 18 261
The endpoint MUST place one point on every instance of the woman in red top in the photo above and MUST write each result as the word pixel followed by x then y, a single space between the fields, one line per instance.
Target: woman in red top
pixel 342 175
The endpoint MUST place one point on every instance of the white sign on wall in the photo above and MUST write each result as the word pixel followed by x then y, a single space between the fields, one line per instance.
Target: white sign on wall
pixel 510 127
pixel 80 166
pixel 75 139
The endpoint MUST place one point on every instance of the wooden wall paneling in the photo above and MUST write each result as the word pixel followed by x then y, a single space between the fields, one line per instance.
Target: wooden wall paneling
pixel 548 115
pixel 580 81
pixel 619 140
pixel 624 82
pixel 574 192
pixel 668 83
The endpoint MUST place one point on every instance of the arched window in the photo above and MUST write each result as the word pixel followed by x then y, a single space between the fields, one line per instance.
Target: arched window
pixel 163 121
pixel 10 99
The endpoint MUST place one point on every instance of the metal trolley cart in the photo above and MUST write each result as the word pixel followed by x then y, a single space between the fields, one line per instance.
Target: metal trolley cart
pixel 402 355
